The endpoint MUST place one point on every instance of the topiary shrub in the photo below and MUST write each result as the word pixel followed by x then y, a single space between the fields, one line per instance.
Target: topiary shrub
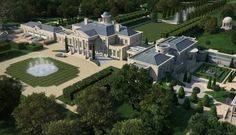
pixel 194 97
pixel 196 90
pixel 199 108
pixel 181 93
pixel 186 104
pixel 206 101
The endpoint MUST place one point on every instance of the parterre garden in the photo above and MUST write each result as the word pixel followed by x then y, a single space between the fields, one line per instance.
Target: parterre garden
pixel 65 73
pixel 208 71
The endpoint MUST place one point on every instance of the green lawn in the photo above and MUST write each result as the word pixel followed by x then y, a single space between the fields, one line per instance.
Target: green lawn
pixel 208 71
pixel 220 41
pixel 179 120
pixel 126 111
pixel 152 31
pixel 220 96
pixel 65 73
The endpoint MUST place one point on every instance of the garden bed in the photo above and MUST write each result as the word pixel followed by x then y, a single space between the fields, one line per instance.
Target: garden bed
pixel 208 71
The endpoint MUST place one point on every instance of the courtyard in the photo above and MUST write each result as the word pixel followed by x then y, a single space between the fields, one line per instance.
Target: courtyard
pixel 208 71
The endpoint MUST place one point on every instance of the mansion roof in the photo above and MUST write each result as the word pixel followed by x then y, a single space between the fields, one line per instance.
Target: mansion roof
pixel 43 26
pixel 93 28
pixel 152 56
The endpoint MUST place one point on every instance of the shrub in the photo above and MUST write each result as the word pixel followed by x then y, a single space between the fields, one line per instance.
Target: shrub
pixel 213 112
pixel 194 97
pixel 206 101
pixel 186 104
pixel 216 87
pixel 199 108
pixel 34 47
pixel 181 93
pixel 196 90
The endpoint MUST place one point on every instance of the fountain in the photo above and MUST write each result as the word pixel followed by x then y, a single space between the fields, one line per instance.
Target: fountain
pixel 41 67
pixel 180 14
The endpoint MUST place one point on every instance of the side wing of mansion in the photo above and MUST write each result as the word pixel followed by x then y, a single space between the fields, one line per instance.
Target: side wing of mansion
pixel 108 38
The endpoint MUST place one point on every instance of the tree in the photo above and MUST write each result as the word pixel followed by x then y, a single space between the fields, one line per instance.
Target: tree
pixel 146 41
pixel 181 93
pixel 187 104
pixel 114 11
pixel 10 93
pixel 156 109
pixel 214 82
pixel 209 24
pixel 129 127
pixel 35 111
pixel 209 84
pixel 97 108
pixel 231 77
pixel 66 45
pixel 194 97
pixel 213 112
pixel 227 12
pixel 154 16
pixel 197 124
pixel 93 52
pixel 231 65
pixel 185 77
pixel 61 127
pixel 206 101
pixel 130 84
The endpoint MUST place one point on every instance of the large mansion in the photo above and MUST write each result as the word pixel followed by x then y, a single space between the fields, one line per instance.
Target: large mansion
pixel 173 55
pixel 108 38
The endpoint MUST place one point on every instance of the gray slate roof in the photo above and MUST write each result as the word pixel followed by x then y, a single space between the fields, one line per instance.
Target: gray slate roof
pixel 150 56
pixel 93 28
pixel 43 26
pixel 99 28
pixel 179 43
pixel 127 31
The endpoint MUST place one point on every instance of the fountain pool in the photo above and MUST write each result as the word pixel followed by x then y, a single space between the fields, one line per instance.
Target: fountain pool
pixel 41 67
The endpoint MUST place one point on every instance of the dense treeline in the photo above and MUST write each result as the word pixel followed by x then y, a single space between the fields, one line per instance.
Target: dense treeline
pixel 23 10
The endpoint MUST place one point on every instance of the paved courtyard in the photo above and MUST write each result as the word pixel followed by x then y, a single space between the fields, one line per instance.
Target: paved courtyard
pixel 86 68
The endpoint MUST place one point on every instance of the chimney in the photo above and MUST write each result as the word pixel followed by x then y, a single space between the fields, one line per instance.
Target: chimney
pixel 85 21
pixel 117 27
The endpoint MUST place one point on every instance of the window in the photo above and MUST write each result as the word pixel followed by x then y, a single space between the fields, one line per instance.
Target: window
pixel 126 41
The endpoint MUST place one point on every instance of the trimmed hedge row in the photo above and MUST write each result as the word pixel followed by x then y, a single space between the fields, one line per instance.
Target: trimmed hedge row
pixel 4 46
pixel 182 28
pixel 131 16
pixel 69 92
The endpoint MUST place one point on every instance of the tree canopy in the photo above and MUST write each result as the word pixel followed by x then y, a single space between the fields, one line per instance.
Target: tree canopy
pixel 35 111
pixel 10 93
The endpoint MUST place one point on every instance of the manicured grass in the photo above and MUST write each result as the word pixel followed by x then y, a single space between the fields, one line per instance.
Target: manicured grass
pixel 220 41
pixel 208 71
pixel 220 96
pixel 126 111
pixel 179 120
pixel 153 31
pixel 65 73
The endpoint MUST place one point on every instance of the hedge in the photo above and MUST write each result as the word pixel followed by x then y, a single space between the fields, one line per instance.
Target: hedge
pixel 131 16
pixel 69 92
